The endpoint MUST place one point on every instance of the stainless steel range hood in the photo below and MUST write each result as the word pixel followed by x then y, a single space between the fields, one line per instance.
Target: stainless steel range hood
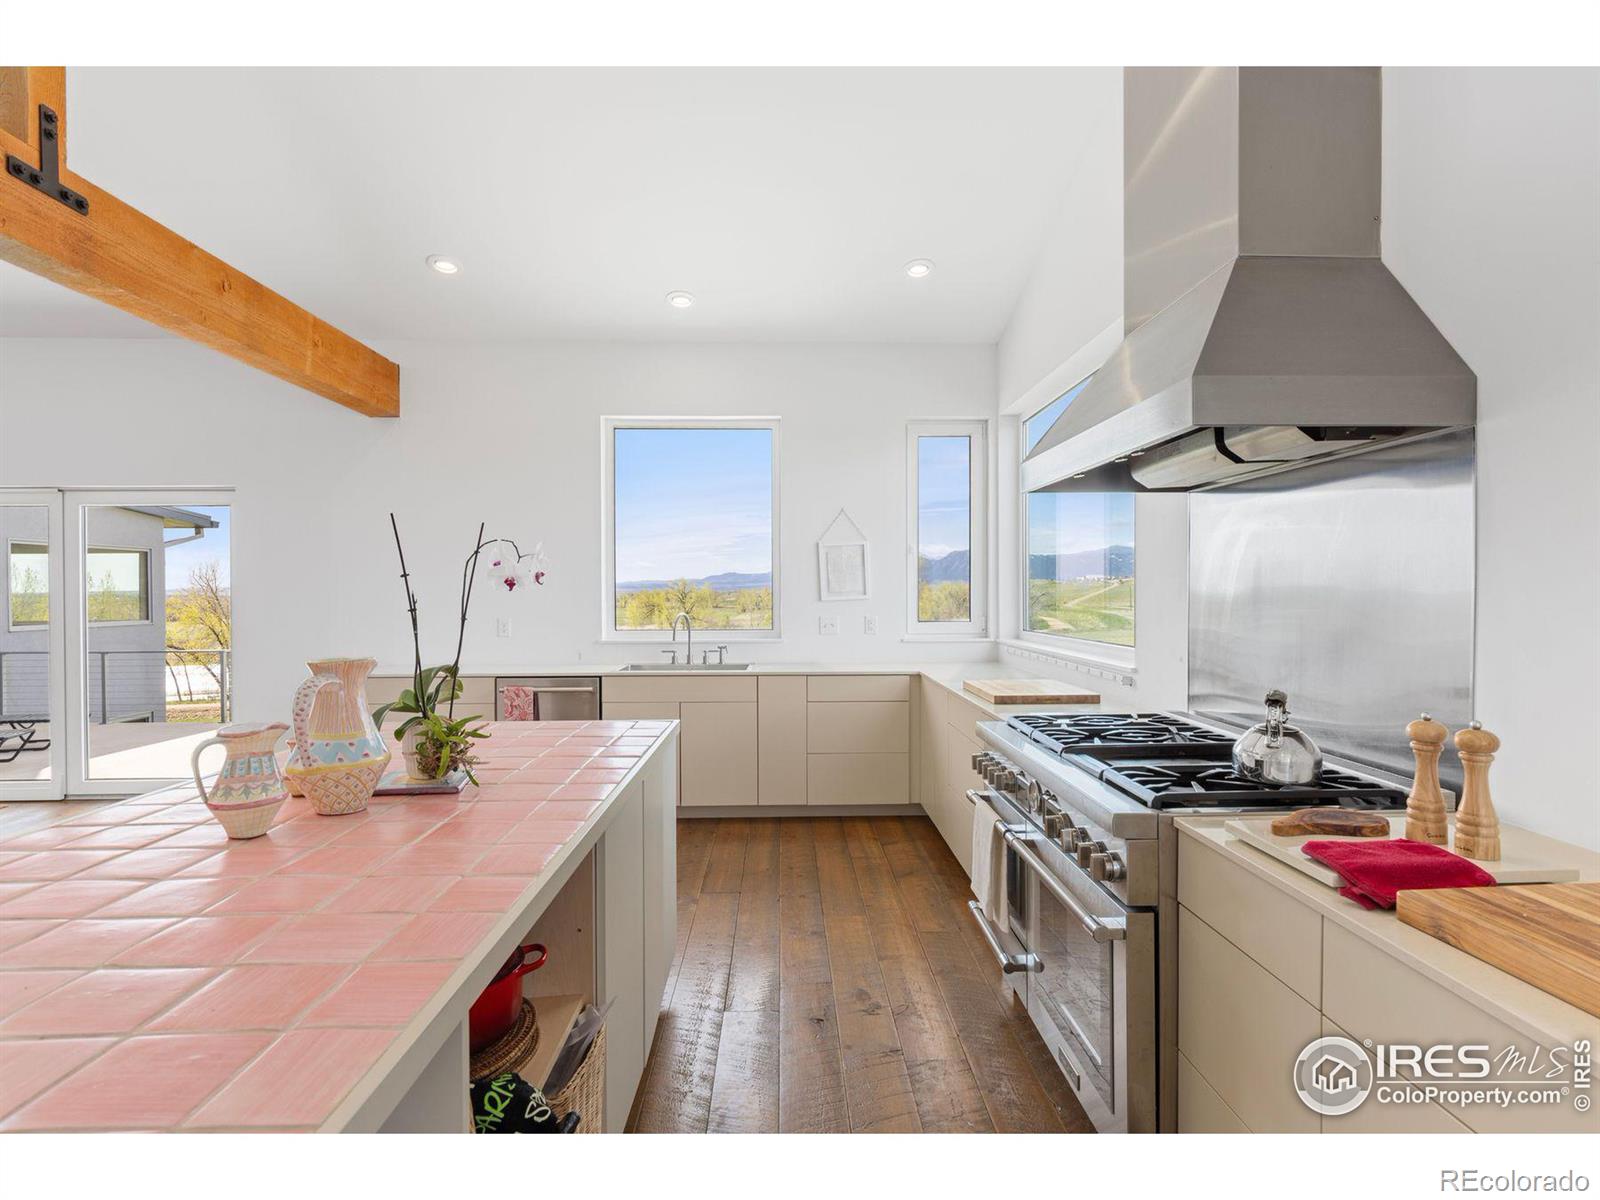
pixel 1302 345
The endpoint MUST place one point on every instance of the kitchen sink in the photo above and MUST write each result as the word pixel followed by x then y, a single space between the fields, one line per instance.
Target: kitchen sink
pixel 687 667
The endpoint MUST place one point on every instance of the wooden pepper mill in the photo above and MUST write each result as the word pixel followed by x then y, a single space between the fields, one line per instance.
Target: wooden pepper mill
pixel 1477 827
pixel 1425 806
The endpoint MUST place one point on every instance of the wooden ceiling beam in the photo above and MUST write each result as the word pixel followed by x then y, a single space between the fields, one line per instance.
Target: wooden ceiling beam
pixel 116 254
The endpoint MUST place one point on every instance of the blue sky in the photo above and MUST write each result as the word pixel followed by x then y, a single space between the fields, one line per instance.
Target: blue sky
pixel 215 545
pixel 693 502
pixel 1065 522
pixel 1039 424
pixel 944 495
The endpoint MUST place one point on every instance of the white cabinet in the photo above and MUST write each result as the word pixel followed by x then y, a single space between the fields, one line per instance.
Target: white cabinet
pixel 718 739
pixel 620 971
pixel 659 785
pixel 858 779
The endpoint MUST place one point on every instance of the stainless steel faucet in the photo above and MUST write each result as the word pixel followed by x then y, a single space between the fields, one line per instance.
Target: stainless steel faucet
pixel 688 638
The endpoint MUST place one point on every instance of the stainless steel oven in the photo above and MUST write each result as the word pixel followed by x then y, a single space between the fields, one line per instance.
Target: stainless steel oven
pixel 1085 971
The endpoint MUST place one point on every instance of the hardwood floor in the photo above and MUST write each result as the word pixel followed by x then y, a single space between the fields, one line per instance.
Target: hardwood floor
pixel 829 979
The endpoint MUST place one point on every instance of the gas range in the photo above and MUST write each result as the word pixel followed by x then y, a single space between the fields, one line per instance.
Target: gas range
pixel 1098 786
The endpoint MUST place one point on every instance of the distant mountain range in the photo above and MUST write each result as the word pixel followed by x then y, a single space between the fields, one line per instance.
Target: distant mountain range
pixel 955 567
pixel 727 581
pixel 1116 562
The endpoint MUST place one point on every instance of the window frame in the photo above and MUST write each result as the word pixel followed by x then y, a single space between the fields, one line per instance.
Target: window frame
pixel 11 621
pixel 977 431
pixel 1103 653
pixel 608 523
pixel 148 593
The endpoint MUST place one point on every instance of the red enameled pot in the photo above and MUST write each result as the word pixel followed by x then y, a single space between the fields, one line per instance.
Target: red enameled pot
pixel 496 1008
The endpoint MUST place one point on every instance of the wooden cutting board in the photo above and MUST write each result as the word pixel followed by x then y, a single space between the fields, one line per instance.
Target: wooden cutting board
pixel 1546 934
pixel 1028 691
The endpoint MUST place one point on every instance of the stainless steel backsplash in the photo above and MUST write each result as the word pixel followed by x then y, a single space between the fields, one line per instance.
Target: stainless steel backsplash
pixel 1350 586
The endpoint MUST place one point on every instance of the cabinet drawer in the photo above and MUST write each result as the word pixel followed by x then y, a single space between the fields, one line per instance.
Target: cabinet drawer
pixel 628 710
pixel 829 688
pixel 1242 1029
pixel 679 687
pixel 1200 1109
pixel 955 820
pixel 964 714
pixel 475 689
pixel 1372 995
pixel 858 779
pixel 1281 935
pixel 858 727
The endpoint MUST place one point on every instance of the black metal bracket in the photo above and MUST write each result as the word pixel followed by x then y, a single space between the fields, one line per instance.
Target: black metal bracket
pixel 46 177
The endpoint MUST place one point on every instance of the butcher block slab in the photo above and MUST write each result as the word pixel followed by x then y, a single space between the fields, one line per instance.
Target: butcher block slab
pixel 1546 934
pixel 1256 832
pixel 1028 691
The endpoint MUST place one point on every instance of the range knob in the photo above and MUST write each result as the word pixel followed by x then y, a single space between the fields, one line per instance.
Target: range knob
pixel 1071 836
pixel 1106 867
pixel 1032 793
pixel 1051 816
pixel 1087 850
pixel 981 760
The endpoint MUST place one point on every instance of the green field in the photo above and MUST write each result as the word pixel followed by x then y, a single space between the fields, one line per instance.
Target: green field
pixel 944 602
pixel 744 608
pixel 1100 610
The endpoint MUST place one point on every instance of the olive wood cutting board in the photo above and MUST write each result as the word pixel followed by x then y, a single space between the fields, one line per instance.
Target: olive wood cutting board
pixel 1256 832
pixel 1028 691
pixel 1546 934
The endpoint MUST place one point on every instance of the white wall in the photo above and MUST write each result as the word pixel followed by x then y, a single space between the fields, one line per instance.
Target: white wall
pixel 507 435
pixel 1067 320
pixel 1491 219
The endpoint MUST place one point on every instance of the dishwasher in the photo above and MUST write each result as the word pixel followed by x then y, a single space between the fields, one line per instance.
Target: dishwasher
pixel 555 697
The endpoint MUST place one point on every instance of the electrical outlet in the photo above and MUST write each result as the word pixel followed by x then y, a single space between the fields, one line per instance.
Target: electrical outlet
pixel 828 626
pixel 502 627
pixel 869 625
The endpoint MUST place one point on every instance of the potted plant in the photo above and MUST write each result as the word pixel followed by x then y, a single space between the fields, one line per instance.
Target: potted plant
pixel 433 741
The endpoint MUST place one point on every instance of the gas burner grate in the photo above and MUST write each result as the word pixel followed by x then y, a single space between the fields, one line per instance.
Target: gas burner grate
pixel 1204 784
pixel 1113 735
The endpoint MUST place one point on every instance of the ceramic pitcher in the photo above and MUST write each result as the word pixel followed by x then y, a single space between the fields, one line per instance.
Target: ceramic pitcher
pixel 339 755
pixel 248 790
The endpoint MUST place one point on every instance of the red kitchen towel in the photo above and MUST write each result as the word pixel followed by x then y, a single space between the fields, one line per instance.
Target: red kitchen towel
pixel 1375 870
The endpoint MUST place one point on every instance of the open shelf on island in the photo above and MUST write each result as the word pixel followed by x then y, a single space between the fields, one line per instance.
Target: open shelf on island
pixel 556 1015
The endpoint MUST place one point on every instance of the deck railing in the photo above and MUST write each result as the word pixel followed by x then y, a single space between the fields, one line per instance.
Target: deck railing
pixel 125 685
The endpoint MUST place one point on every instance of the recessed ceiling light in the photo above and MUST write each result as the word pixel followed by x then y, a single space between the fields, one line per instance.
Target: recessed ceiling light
pixel 680 299
pixel 919 268
pixel 443 265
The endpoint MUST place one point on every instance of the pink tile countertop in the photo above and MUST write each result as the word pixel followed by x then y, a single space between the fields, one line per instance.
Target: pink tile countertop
pixel 155 975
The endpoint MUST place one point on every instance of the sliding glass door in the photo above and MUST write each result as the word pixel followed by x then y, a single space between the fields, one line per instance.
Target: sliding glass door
pixel 32 659
pixel 118 649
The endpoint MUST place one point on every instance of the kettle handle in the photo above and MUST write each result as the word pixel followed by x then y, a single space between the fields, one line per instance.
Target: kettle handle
pixel 1277 710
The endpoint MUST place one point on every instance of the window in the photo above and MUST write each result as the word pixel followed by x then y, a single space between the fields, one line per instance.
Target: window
pixel 1080 566
pixel 117 586
pixel 948 527
pixel 28 585
pixel 689 508
pixel 1036 426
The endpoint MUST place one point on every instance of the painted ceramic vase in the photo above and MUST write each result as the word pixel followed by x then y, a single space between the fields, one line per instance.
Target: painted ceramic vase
pixel 249 789
pixel 339 754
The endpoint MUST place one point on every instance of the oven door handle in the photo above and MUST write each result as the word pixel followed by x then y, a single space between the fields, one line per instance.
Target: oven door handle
pixel 1009 963
pixel 1101 929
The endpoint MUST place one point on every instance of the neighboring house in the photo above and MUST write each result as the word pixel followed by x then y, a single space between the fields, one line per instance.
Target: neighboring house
pixel 127 602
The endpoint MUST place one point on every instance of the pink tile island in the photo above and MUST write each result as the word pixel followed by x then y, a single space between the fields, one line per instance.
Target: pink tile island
pixel 155 975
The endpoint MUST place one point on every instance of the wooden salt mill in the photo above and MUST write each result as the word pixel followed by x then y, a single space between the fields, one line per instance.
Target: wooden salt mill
pixel 1477 827
pixel 1425 806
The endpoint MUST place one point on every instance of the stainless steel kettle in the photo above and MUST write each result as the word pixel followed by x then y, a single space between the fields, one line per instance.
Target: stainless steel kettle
pixel 1274 752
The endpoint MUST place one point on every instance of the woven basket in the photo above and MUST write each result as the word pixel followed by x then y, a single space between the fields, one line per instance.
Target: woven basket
pixel 585 1093
pixel 335 793
pixel 514 1048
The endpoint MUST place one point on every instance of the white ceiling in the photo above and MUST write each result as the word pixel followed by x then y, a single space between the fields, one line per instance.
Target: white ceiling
pixel 786 200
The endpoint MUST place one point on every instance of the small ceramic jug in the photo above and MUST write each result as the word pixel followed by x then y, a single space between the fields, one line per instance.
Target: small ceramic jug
pixel 248 790
pixel 339 756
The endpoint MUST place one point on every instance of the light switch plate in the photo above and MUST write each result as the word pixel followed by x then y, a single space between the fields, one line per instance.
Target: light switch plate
pixel 869 625
pixel 828 626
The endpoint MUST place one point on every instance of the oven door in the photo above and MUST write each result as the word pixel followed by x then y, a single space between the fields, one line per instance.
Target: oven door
pixel 1081 993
